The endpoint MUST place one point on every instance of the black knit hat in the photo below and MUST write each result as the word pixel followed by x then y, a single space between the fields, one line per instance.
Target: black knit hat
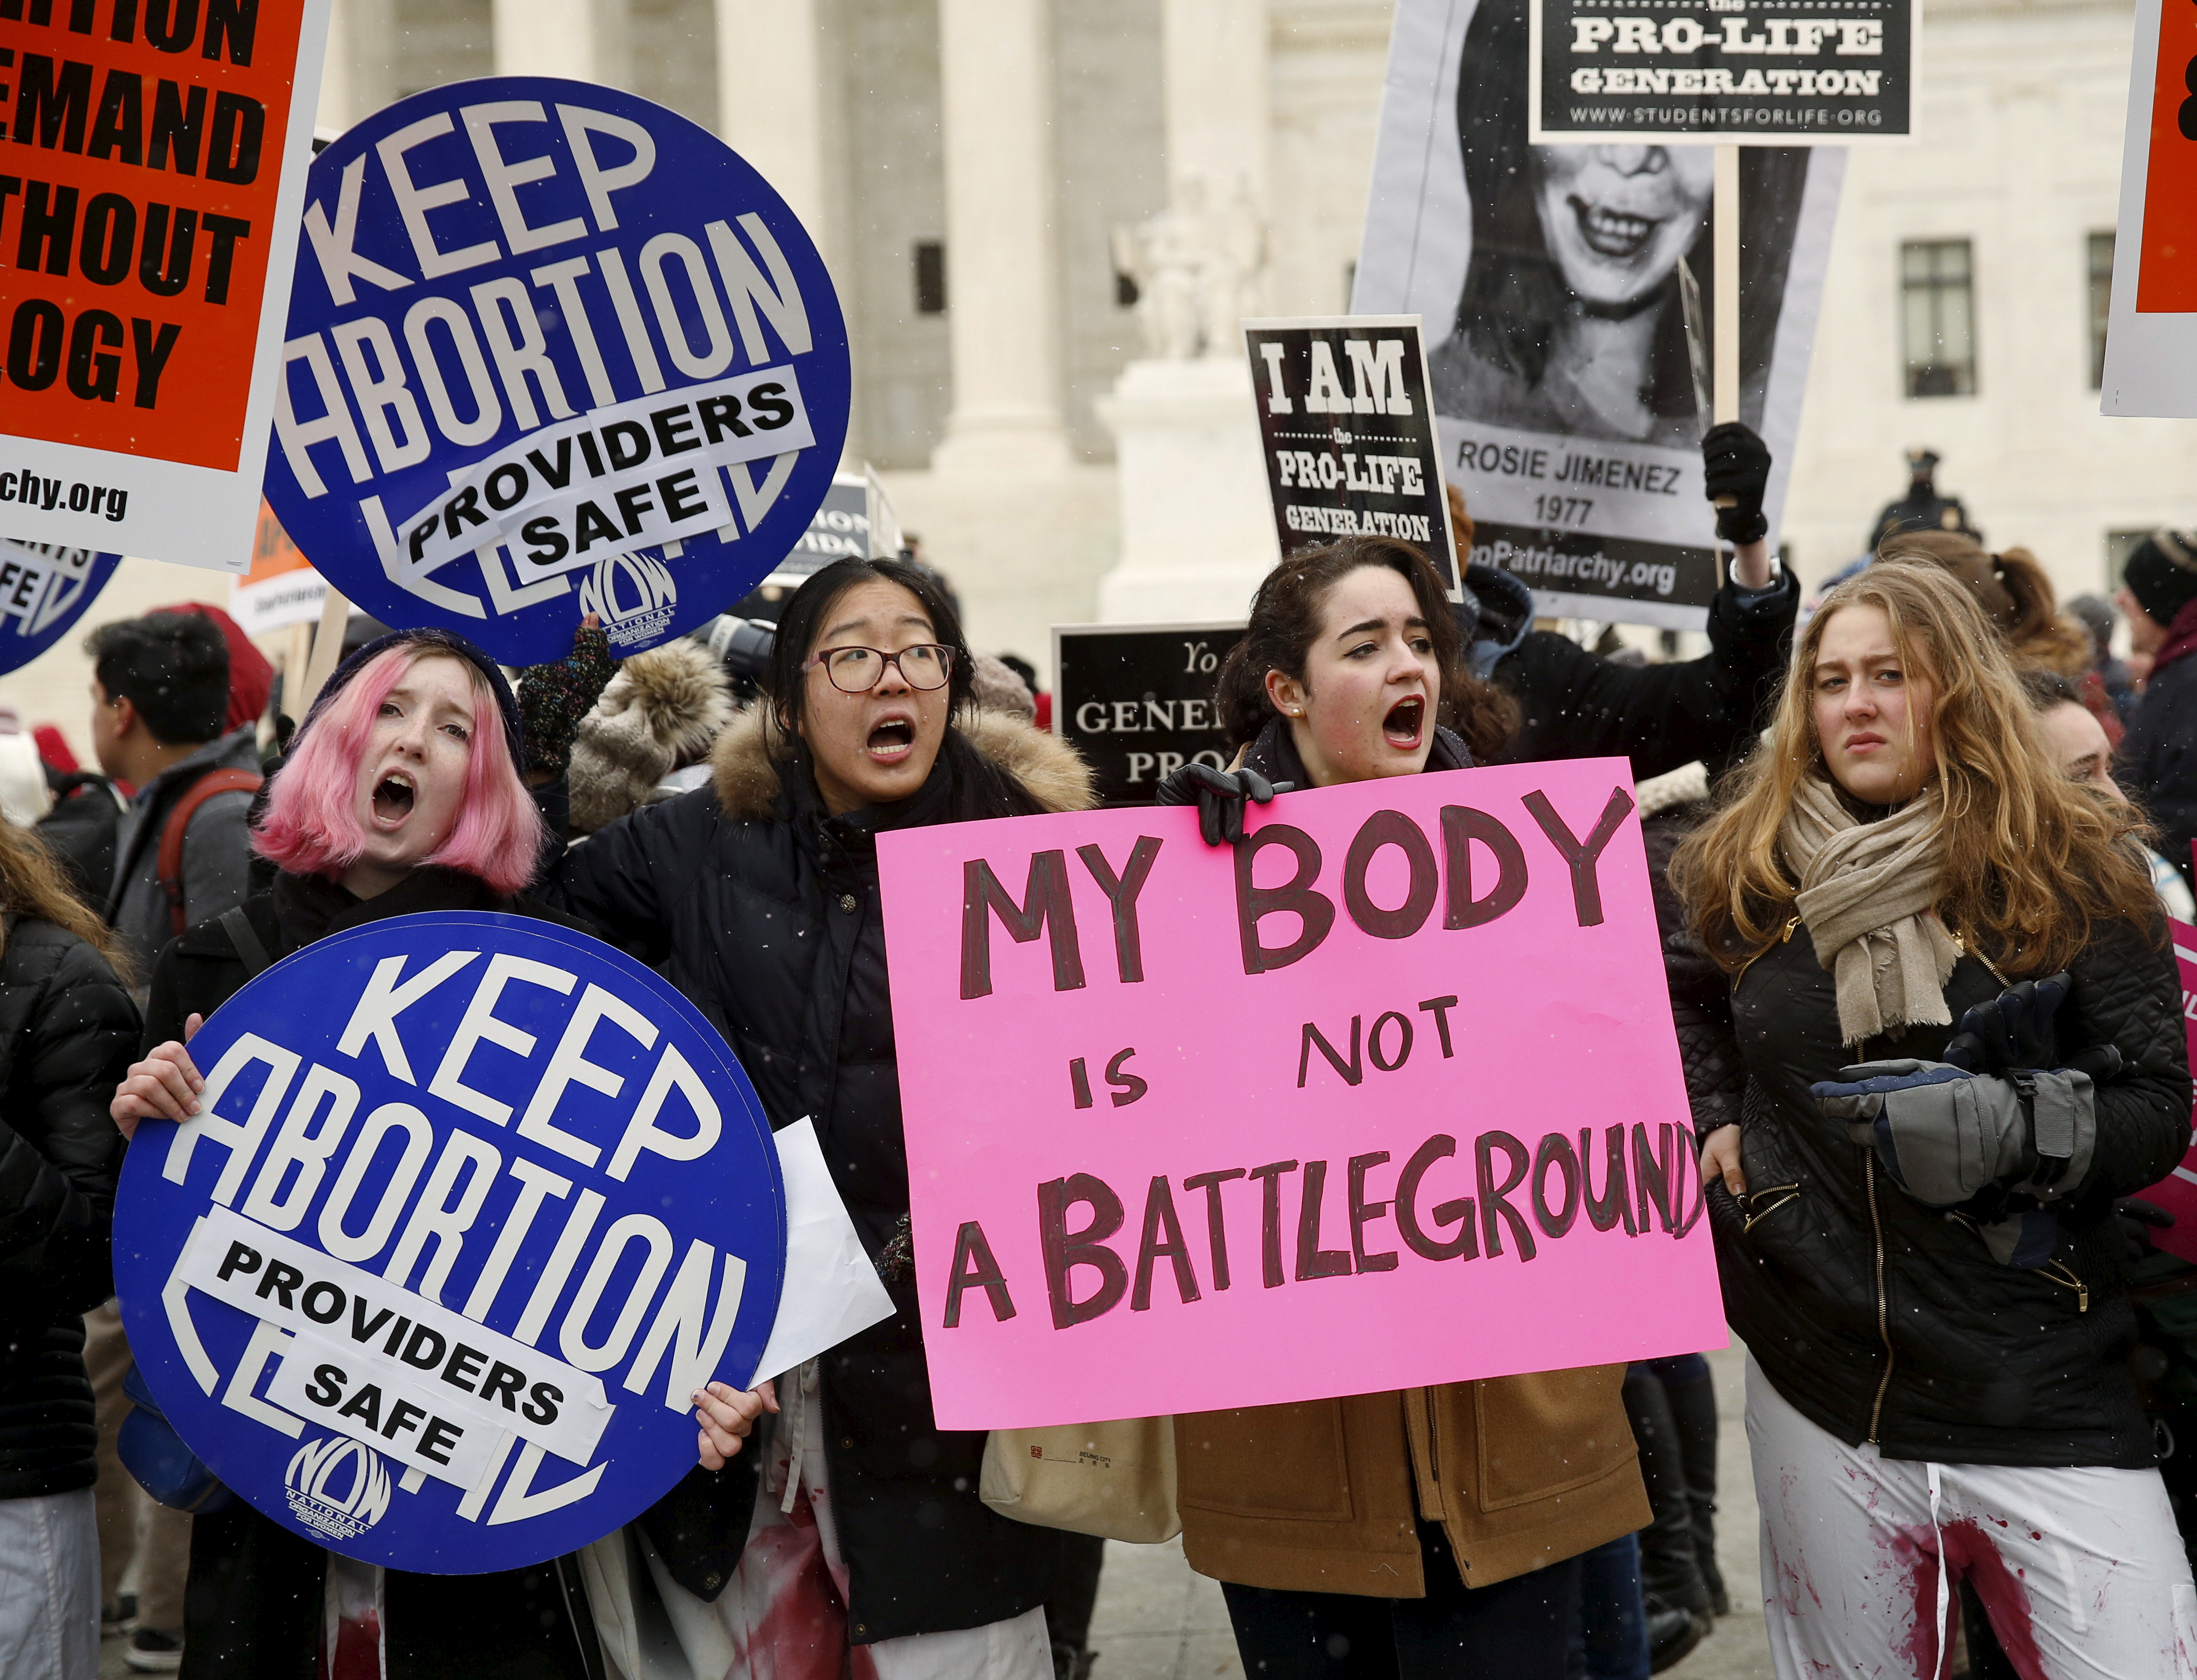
pixel 2162 573
pixel 442 641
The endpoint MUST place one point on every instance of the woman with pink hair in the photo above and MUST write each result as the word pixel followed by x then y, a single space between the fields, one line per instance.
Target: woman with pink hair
pixel 401 793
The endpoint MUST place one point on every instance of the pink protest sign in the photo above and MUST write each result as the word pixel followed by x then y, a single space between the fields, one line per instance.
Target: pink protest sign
pixel 2177 1192
pixel 1388 1095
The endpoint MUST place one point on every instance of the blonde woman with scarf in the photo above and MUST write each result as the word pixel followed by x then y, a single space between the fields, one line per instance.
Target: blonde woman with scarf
pixel 1953 1037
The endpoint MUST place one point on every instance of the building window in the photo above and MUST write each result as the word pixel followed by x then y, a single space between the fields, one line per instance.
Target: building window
pixel 2102 297
pixel 930 277
pixel 1938 318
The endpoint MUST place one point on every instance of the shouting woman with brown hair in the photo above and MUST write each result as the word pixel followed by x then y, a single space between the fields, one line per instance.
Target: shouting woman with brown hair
pixel 1397 1536
pixel 1953 1037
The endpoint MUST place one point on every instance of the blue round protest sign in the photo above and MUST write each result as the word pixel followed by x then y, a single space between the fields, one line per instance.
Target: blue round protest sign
pixel 44 589
pixel 552 350
pixel 472 1207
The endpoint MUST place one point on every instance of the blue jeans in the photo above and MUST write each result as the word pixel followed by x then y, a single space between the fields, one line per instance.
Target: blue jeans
pixel 1609 1638
pixel 1515 1628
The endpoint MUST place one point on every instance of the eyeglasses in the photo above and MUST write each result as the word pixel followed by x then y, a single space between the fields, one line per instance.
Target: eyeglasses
pixel 856 670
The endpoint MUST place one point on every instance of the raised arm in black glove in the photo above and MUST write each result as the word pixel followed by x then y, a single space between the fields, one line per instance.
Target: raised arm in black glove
pixel 1735 463
pixel 1219 796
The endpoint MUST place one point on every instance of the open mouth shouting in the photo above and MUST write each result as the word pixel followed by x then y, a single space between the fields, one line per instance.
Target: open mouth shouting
pixel 891 739
pixel 1406 721
pixel 1612 233
pixel 394 797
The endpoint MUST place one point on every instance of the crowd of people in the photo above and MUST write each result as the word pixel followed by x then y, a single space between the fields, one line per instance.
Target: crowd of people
pixel 1913 850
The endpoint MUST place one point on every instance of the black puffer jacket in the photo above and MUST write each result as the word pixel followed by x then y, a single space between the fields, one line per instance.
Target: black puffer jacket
pixel 763 910
pixel 68 1032
pixel 1957 1359
pixel 1577 704
pixel 2157 763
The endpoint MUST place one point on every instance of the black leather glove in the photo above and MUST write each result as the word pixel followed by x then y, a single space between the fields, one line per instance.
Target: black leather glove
pixel 1219 796
pixel 1735 463
pixel 2013 1030
pixel 2135 1219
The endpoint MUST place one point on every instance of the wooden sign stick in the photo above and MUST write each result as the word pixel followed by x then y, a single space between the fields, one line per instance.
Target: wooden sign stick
pixel 1725 325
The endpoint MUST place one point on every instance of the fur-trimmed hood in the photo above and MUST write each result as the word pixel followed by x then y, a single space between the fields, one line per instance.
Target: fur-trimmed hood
pixel 744 766
pixel 661 711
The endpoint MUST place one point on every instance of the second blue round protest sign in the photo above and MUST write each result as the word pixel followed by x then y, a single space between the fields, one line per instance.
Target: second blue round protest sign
pixel 472 1205
pixel 552 350
pixel 44 588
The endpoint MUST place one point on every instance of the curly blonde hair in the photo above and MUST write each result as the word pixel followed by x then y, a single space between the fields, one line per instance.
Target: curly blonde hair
pixel 2031 859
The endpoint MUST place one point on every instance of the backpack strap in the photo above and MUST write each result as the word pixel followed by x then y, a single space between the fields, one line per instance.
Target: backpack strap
pixel 238 926
pixel 211 785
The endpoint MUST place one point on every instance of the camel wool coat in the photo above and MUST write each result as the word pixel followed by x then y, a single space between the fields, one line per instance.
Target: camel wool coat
pixel 1325 1496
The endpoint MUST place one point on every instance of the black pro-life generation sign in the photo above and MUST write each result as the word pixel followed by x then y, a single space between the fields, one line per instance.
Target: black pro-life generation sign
pixel 1784 72
pixel 1136 700
pixel 1349 434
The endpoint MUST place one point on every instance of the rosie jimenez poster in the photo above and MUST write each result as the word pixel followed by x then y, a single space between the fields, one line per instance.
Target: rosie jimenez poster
pixel 1547 276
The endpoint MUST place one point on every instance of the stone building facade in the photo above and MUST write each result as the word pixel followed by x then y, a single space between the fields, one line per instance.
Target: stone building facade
pixel 970 168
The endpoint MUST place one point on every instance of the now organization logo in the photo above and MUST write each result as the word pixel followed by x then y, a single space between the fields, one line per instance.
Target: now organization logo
pixel 633 594
pixel 338 1486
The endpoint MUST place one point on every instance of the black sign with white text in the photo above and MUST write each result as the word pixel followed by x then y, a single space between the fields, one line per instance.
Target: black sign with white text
pixel 1349 434
pixel 1136 700
pixel 1786 73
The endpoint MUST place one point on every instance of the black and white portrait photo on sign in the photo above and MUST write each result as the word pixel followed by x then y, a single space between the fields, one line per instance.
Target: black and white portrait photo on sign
pixel 1548 278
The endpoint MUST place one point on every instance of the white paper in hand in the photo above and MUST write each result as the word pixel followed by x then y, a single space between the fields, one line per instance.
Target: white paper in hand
pixel 831 1289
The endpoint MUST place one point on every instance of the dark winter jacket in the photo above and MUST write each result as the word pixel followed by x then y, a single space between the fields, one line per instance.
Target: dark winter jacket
pixel 254 1607
pixel 1701 992
pixel 2157 763
pixel 82 830
pixel 1577 704
pixel 68 1032
pixel 1951 1357
pixel 763 909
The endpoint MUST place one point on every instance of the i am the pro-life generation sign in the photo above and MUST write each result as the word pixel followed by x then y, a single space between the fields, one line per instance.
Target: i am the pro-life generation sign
pixel 1348 425
pixel 149 209
pixel 1777 73
pixel 552 350
pixel 44 589
pixel 1251 1119
pixel 1136 700
pixel 472 1206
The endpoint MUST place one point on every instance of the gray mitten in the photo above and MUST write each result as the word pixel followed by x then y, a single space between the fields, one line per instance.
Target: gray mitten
pixel 1945 1136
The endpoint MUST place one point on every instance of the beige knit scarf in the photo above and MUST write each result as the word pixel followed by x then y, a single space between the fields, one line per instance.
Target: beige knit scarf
pixel 1866 892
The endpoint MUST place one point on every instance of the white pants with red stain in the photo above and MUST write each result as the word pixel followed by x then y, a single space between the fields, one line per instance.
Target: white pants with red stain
pixel 785 1607
pixel 2081 1570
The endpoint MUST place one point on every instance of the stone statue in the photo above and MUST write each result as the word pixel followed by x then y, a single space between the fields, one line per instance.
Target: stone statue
pixel 1234 256
pixel 1195 266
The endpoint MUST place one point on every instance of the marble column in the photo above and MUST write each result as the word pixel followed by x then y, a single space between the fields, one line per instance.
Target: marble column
pixel 583 39
pixel 1197 524
pixel 1002 240
pixel 781 104
pixel 1215 60
pixel 338 108
pixel 777 73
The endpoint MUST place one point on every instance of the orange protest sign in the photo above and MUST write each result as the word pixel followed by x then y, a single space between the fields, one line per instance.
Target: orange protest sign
pixel 2166 281
pixel 281 589
pixel 146 239
pixel 2151 326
